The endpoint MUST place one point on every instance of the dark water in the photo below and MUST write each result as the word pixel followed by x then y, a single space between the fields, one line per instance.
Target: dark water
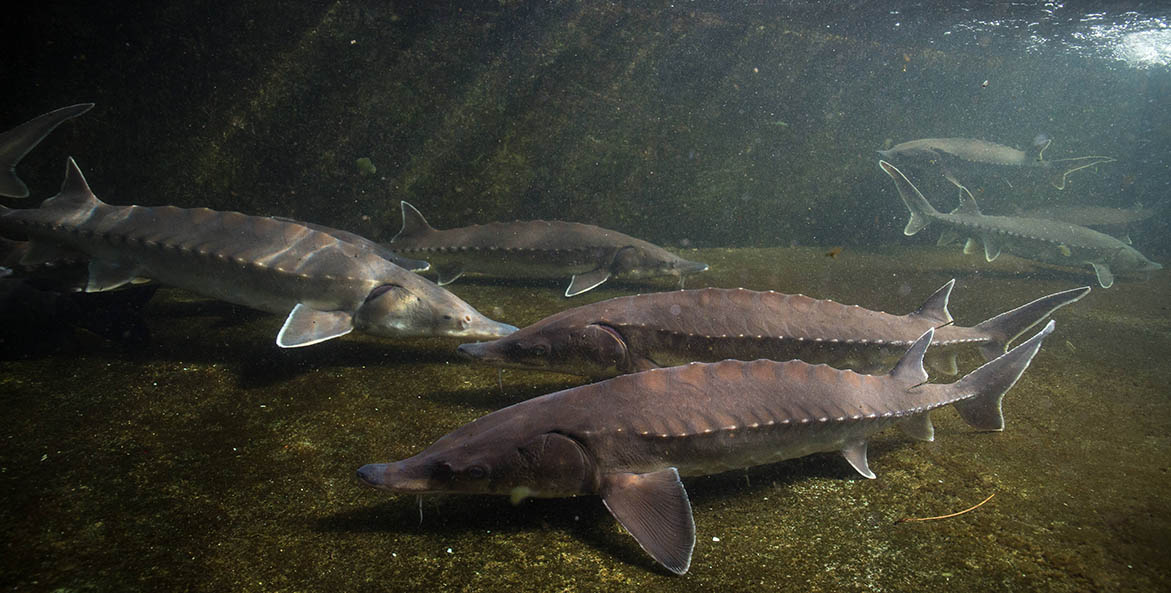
pixel 204 458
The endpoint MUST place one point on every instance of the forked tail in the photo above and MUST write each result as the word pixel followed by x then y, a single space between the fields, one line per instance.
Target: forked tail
pixel 979 394
pixel 921 210
pixel 1008 326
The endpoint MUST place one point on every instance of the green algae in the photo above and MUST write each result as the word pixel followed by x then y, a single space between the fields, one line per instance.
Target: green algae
pixel 214 461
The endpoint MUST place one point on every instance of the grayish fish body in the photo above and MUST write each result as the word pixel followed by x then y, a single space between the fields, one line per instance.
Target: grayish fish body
pixel 635 333
pixel 537 249
pixel 1032 238
pixel 414 265
pixel 630 438
pixel 948 151
pixel 326 286
pixel 18 141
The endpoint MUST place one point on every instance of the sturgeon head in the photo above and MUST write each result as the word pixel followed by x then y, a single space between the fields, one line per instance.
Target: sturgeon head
pixel 417 307
pixel 504 453
pixel 572 342
pixel 643 260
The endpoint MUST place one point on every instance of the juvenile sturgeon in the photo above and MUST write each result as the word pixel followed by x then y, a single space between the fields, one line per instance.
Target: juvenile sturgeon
pixel 635 333
pixel 18 141
pixel 948 151
pixel 1033 238
pixel 537 249
pixel 630 438
pixel 327 286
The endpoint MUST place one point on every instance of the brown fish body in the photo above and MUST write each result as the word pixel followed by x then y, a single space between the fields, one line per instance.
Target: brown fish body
pixel 628 334
pixel 630 438
pixel 536 249
pixel 326 285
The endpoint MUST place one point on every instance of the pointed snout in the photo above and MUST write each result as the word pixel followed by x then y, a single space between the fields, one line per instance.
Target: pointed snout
pixel 487 329
pixel 392 477
pixel 477 351
pixel 691 267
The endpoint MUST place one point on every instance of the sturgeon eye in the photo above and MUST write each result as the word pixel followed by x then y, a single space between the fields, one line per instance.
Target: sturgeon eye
pixel 540 350
pixel 477 472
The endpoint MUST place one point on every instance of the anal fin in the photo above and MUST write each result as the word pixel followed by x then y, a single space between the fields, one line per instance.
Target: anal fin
pixel 991 248
pixel 448 273
pixel 306 326
pixel 919 427
pixel 655 509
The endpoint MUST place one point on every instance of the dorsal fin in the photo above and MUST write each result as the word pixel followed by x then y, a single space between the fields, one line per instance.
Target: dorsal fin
pixel 967 203
pixel 414 225
pixel 75 193
pixel 910 367
pixel 935 307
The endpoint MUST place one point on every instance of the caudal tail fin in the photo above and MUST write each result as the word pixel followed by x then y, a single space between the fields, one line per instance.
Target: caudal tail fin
pixel 1061 168
pixel 979 394
pixel 921 210
pixel 414 225
pixel 18 141
pixel 1008 326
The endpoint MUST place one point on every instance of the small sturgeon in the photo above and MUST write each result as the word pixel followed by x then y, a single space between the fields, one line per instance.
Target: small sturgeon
pixel 327 286
pixel 1033 238
pixel 18 141
pixel 630 438
pixel 635 333
pixel 537 249
pixel 945 151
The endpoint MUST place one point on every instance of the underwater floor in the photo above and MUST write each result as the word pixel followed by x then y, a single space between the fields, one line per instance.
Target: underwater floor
pixel 211 460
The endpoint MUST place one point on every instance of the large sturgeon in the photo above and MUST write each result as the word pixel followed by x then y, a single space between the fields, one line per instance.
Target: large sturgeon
pixel 630 438
pixel 18 141
pixel 946 151
pixel 537 249
pixel 1033 238
pixel 635 333
pixel 327 286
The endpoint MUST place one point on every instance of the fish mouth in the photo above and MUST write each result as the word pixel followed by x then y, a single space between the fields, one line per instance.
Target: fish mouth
pixel 475 351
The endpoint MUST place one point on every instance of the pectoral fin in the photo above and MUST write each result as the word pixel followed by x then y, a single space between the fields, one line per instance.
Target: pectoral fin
pixel 947 237
pixel 306 326
pixel 655 510
pixel 106 275
pixel 855 453
pixel 587 281
pixel 448 273
pixel 1105 276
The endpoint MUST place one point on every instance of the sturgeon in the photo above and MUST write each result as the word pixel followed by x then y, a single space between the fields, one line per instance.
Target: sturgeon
pixel 537 249
pixel 946 151
pixel 18 141
pixel 630 438
pixel 1032 238
pixel 635 333
pixel 327 287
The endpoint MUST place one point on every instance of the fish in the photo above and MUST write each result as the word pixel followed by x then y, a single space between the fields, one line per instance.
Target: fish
pixel 641 332
pixel 326 286
pixel 950 151
pixel 18 141
pixel 1031 238
pixel 590 255
pixel 631 438
pixel 1112 221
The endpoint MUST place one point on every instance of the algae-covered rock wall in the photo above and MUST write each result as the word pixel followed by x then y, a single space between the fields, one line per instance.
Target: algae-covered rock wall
pixel 686 124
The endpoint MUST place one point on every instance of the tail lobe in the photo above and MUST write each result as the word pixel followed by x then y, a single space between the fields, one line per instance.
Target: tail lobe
pixel 1008 326
pixel 921 210
pixel 981 391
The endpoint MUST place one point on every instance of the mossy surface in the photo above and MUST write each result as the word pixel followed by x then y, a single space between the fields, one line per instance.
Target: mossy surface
pixel 211 460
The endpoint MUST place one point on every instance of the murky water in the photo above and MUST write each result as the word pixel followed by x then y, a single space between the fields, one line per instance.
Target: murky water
pixel 205 458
